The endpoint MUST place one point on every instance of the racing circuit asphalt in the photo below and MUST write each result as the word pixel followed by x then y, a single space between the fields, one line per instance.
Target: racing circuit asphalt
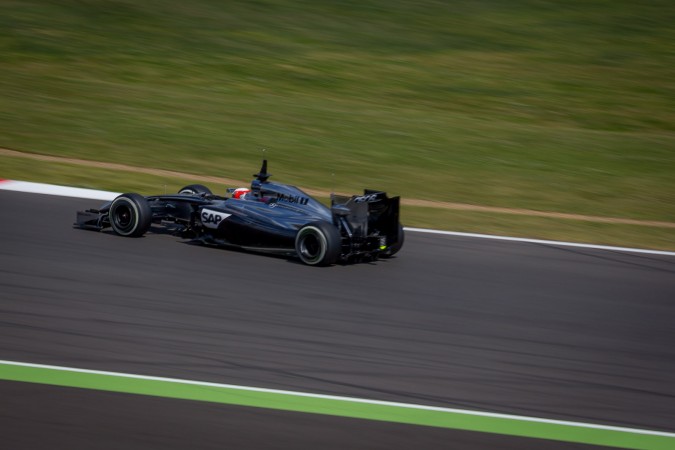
pixel 518 328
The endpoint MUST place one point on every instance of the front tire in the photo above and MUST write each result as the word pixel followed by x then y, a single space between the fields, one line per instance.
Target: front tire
pixel 130 215
pixel 318 244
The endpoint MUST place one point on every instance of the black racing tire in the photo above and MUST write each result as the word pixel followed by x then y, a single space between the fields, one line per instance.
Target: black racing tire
pixel 130 215
pixel 396 246
pixel 195 189
pixel 318 244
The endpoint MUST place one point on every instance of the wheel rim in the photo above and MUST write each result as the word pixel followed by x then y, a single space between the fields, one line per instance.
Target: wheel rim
pixel 123 217
pixel 310 246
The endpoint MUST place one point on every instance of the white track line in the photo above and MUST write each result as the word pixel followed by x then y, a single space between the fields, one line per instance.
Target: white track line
pixel 65 191
pixel 545 242
pixel 50 189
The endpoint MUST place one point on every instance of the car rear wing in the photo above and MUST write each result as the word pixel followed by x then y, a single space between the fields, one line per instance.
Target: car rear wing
pixel 362 216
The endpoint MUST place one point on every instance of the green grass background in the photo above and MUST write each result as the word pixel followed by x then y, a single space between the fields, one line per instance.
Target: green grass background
pixel 545 105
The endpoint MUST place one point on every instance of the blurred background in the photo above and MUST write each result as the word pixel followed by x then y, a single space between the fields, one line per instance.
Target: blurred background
pixel 550 106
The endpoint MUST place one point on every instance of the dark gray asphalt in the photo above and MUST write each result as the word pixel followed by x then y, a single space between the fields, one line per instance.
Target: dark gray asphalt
pixel 583 335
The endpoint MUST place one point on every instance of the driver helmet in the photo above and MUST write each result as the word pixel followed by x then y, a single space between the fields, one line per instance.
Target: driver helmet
pixel 240 193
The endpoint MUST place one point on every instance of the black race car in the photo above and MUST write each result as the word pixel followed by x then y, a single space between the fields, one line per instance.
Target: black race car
pixel 268 217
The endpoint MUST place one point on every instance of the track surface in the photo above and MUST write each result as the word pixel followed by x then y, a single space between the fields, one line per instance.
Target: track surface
pixel 582 335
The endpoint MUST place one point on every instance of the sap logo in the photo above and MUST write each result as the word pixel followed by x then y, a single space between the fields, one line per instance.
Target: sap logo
pixel 211 219
pixel 367 198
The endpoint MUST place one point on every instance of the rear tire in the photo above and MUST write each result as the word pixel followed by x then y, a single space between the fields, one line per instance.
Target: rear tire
pixel 130 215
pixel 318 244
pixel 195 189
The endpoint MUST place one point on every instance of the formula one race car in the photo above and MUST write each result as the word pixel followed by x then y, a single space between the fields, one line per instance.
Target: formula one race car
pixel 268 218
